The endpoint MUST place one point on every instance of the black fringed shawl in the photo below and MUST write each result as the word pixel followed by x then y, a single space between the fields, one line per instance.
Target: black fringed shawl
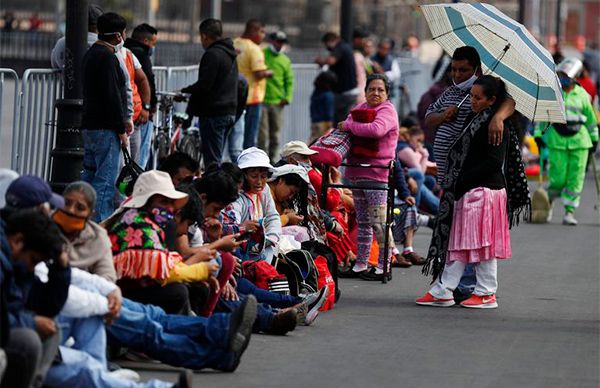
pixel 517 190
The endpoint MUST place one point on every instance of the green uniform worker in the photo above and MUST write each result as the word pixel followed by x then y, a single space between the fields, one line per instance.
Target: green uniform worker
pixel 280 89
pixel 569 145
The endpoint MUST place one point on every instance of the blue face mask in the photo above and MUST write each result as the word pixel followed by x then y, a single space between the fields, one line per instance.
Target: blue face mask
pixel 565 82
pixel 162 216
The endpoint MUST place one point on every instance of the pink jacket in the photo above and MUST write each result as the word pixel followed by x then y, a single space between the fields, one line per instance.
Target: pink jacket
pixel 385 128
pixel 414 159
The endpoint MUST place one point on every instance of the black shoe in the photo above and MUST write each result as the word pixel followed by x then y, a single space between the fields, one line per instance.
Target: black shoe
pixel 370 275
pixel 349 273
pixel 459 296
pixel 284 321
pixel 185 380
pixel 338 294
pixel 240 329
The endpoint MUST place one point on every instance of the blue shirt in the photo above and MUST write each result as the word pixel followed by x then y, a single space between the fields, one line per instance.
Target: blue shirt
pixel 321 106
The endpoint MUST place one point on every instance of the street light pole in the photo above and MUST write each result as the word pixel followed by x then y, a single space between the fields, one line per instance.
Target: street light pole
pixel 67 156
pixel 346 20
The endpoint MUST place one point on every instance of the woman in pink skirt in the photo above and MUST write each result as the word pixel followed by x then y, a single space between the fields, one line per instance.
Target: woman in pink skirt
pixel 485 192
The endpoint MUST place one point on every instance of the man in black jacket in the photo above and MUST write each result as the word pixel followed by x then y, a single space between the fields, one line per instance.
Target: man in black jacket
pixel 214 95
pixel 105 124
pixel 142 43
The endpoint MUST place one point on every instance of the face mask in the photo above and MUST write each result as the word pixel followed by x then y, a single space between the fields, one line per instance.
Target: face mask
pixel 274 49
pixel 162 216
pixel 465 85
pixel 151 51
pixel 565 82
pixel 68 222
pixel 119 46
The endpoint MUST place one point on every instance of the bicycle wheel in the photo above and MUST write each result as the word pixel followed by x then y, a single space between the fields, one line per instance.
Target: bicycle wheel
pixel 190 145
pixel 161 145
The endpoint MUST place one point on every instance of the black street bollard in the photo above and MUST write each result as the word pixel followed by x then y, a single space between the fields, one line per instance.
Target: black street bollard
pixel 67 156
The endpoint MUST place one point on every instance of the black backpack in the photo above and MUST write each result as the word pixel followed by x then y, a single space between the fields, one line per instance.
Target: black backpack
pixel 315 249
pixel 308 270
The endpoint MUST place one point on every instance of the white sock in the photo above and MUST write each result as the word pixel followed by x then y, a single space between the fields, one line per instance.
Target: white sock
pixel 422 219
pixel 378 271
pixel 408 249
pixel 359 267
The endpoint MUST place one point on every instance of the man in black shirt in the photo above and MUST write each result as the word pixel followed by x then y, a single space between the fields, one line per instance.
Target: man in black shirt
pixel 341 62
pixel 105 124
pixel 214 95
pixel 142 43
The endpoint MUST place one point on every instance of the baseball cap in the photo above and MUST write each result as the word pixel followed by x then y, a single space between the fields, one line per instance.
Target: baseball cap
pixel 279 36
pixel 254 157
pixel 30 191
pixel 296 147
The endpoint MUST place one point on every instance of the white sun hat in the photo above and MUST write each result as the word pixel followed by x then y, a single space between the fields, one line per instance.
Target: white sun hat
pixel 254 157
pixel 289 169
pixel 152 183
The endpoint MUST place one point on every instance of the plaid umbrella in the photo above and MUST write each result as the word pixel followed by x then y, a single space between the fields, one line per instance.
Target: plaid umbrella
pixel 507 50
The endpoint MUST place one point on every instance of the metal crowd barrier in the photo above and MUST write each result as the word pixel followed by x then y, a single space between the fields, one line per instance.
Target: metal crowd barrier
pixel 34 130
pixel 9 107
pixel 181 76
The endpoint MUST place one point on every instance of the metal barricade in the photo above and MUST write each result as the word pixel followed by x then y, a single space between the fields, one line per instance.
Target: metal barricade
pixel 296 122
pixel 34 134
pixel 9 110
pixel 181 76
pixel 161 77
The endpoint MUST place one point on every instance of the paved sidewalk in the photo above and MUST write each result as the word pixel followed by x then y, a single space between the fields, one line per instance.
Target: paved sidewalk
pixel 545 333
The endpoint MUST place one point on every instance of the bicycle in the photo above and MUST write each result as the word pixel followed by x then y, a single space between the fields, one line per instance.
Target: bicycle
pixel 169 135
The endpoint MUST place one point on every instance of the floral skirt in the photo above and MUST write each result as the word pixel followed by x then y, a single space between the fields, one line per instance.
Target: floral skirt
pixel 480 227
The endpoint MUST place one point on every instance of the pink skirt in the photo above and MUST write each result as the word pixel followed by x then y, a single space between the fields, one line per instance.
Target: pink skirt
pixel 480 227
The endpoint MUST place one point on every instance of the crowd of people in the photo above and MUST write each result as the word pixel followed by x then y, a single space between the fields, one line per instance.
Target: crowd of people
pixel 201 254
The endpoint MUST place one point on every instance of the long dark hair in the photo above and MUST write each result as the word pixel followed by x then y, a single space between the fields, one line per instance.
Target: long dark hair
pixel 300 202
pixel 492 87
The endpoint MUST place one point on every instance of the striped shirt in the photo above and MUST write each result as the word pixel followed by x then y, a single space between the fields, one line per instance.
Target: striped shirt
pixel 447 132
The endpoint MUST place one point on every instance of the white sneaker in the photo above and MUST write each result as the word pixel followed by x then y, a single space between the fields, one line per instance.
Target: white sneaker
pixel 126 374
pixel 549 214
pixel 569 219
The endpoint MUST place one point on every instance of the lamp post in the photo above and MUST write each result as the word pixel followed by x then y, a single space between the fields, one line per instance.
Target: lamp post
pixel 346 21
pixel 67 156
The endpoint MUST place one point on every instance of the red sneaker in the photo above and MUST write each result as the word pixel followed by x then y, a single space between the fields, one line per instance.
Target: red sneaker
pixel 481 302
pixel 430 300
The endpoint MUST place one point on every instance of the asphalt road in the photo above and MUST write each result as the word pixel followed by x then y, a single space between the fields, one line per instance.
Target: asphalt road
pixel 545 333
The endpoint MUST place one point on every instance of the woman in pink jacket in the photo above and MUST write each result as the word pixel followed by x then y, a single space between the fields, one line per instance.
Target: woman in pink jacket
pixel 374 143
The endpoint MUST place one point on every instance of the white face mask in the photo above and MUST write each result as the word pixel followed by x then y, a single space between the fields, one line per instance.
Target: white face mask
pixel 119 46
pixel 465 85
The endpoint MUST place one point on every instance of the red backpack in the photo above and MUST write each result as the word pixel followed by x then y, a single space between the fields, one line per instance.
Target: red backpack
pixel 325 280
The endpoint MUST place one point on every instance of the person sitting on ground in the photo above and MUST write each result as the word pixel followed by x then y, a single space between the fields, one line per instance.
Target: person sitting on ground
pixel 378 138
pixel 29 333
pixel 414 156
pixel 179 166
pixel 254 211
pixel 139 233
pixel 289 184
pixel 332 224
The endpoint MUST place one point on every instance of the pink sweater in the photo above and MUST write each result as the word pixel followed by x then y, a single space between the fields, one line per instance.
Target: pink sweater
pixel 414 159
pixel 385 128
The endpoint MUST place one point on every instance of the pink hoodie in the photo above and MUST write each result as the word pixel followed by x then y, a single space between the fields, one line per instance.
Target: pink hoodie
pixel 385 128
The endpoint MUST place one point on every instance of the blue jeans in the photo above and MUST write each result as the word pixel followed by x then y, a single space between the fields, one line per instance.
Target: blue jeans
pixel 213 132
pixel 251 125
pixel 88 333
pixel 235 138
pixel 102 151
pixel 424 193
pixel 468 281
pixel 264 313
pixel 273 299
pixel 79 369
pixel 179 340
pixel 140 143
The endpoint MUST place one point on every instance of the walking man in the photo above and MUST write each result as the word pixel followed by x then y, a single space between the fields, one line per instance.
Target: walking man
pixel 280 89
pixel 214 96
pixel 251 63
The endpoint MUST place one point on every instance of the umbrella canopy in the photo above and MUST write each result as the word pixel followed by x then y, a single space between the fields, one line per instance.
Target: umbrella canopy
pixel 507 50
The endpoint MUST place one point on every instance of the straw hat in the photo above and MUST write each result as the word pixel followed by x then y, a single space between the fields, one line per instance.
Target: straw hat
pixel 152 183
pixel 254 157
